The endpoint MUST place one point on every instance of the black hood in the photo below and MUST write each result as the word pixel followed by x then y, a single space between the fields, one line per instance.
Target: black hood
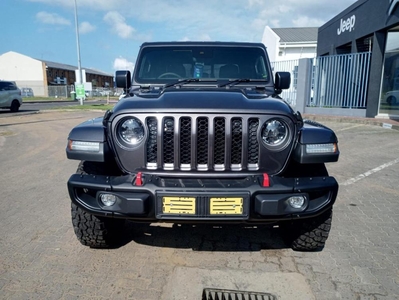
pixel 202 100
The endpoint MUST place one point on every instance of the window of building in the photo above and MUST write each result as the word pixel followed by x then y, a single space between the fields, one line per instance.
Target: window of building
pixel 345 49
pixel 364 44
pixel 389 96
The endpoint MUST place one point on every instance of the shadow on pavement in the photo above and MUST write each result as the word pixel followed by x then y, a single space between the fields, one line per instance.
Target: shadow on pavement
pixel 205 237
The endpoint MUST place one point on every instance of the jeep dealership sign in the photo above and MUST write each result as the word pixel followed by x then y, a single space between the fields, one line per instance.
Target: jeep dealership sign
pixel 347 25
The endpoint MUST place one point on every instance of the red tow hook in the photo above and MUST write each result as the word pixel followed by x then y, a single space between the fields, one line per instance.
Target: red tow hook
pixel 266 180
pixel 139 179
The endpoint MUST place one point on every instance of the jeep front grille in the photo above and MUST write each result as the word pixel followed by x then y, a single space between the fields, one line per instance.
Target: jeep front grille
pixel 202 143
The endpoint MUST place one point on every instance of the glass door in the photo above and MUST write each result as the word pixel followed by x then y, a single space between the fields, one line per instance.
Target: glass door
pixel 389 96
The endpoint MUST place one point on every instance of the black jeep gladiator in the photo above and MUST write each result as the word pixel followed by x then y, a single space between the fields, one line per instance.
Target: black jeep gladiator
pixel 202 136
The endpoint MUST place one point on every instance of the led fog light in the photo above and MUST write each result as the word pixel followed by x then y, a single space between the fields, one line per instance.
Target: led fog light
pixel 108 199
pixel 297 201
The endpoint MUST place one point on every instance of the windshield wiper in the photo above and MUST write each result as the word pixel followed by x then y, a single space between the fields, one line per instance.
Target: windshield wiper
pixel 188 80
pixel 232 82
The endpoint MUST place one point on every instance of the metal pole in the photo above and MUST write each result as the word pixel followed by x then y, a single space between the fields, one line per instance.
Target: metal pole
pixel 78 49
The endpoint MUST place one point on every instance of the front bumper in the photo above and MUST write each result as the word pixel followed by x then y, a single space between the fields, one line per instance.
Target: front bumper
pixel 203 199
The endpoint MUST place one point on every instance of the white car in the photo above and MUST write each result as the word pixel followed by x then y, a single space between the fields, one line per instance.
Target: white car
pixel 392 97
pixel 122 96
pixel 10 96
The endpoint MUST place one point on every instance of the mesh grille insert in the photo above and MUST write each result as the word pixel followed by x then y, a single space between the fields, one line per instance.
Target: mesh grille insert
pixel 220 142
pixel 236 141
pixel 253 145
pixel 152 140
pixel 168 140
pixel 202 141
pixel 185 140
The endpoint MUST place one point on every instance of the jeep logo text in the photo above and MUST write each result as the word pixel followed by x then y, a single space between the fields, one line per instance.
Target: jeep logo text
pixel 348 24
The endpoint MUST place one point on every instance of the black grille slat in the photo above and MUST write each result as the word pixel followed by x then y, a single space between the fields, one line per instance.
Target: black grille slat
pixel 253 144
pixel 168 140
pixel 152 140
pixel 203 143
pixel 236 141
pixel 185 140
pixel 220 141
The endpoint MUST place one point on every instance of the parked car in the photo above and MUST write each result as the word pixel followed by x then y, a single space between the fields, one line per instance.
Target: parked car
pixel 10 96
pixel 27 92
pixel 123 95
pixel 202 136
pixel 392 97
pixel 105 92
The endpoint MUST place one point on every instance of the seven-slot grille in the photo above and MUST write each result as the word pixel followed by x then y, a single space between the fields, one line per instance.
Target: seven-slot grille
pixel 202 143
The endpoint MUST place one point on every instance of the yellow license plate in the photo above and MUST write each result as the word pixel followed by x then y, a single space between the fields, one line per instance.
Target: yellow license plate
pixel 178 205
pixel 226 206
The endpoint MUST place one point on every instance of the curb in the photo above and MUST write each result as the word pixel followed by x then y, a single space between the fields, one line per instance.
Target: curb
pixel 385 123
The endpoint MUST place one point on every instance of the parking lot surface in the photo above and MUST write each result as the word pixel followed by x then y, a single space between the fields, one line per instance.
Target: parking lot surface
pixel 42 259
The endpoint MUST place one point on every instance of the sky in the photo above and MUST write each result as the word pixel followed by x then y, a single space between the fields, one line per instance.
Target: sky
pixel 111 31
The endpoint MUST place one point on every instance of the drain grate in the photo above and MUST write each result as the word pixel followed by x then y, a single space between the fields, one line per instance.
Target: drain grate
pixel 219 294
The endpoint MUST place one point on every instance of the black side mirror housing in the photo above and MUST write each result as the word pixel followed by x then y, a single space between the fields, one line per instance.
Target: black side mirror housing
pixel 282 80
pixel 123 79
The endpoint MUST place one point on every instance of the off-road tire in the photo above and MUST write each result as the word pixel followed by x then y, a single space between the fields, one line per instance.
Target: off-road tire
pixel 96 232
pixel 309 234
pixel 91 230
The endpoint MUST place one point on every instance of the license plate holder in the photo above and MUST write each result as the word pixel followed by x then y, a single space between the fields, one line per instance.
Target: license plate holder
pixel 226 206
pixel 190 206
pixel 178 205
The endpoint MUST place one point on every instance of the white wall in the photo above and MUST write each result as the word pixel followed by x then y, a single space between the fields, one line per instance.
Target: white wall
pixel 18 67
pixel 296 52
pixel 24 70
pixel 271 40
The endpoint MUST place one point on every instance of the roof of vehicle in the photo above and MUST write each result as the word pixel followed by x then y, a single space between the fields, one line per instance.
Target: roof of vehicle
pixel 204 43
pixel 9 81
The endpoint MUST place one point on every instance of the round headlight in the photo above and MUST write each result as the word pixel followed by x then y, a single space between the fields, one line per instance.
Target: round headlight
pixel 131 131
pixel 274 133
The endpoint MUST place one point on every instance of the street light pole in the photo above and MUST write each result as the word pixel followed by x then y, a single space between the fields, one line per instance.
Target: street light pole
pixel 80 81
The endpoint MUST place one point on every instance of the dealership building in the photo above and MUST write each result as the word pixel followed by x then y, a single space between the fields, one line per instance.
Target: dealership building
pixel 369 26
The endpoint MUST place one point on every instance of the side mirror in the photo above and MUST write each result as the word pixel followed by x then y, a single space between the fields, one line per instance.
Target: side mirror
pixel 282 80
pixel 123 79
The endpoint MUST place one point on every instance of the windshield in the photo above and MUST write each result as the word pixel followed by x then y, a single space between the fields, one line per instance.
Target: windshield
pixel 161 65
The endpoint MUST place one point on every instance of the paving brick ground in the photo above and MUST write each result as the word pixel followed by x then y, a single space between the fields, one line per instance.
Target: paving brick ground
pixel 41 258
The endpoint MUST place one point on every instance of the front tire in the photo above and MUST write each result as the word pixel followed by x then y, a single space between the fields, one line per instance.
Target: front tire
pixel 309 234
pixel 91 230
pixel 391 100
pixel 95 232
pixel 14 106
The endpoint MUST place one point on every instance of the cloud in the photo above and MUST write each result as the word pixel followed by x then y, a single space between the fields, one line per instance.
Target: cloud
pixel 239 20
pixel 118 24
pixel 122 63
pixel 254 2
pixel 307 22
pixel 92 4
pixel 51 18
pixel 86 27
pixel 201 37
